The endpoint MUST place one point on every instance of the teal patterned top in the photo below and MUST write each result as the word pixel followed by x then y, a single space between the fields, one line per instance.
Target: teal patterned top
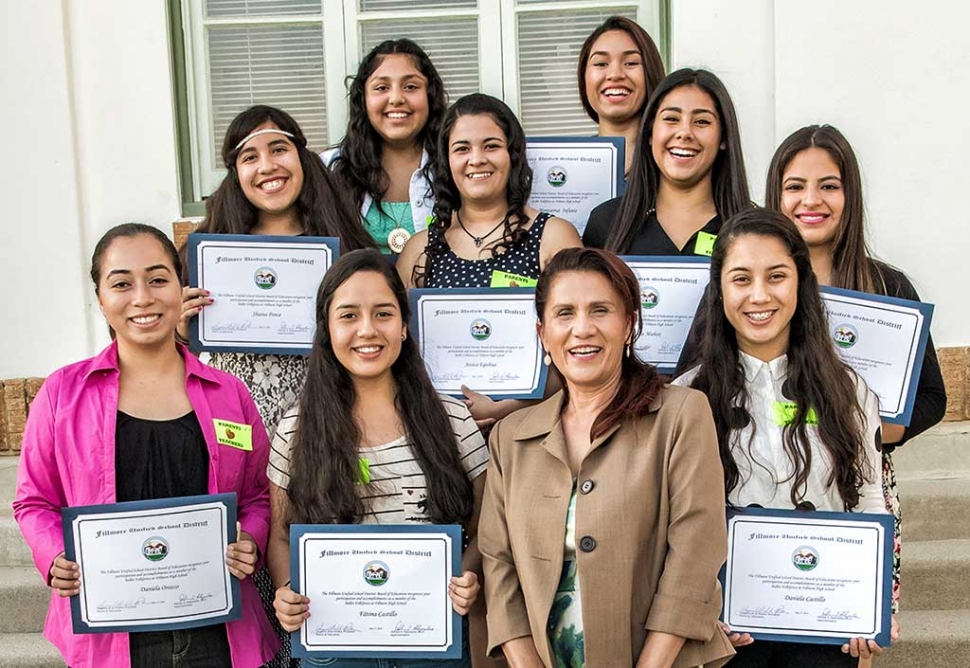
pixel 380 222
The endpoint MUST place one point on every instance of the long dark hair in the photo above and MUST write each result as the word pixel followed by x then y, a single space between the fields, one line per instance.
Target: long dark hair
pixel 324 455
pixel 852 264
pixel 447 196
pixel 359 161
pixel 639 382
pixel 653 64
pixel 817 379
pixel 323 208
pixel 729 182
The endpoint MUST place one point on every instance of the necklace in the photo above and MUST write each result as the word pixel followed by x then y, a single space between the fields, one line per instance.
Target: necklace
pixel 478 240
pixel 397 237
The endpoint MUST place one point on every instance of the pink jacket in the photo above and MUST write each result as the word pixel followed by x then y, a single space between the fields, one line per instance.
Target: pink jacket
pixel 68 459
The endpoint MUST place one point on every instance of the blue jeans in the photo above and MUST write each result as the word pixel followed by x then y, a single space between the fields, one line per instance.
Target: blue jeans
pixel 203 647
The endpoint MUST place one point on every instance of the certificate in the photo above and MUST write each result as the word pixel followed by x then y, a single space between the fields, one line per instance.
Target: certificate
pixel 153 565
pixel 884 340
pixel 484 339
pixel 572 175
pixel 670 290
pixel 264 290
pixel 804 577
pixel 377 591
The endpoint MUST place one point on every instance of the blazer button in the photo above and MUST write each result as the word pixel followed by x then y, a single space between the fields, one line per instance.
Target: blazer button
pixel 587 486
pixel 587 544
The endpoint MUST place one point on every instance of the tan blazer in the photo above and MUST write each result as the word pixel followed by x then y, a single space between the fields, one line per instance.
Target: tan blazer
pixel 650 531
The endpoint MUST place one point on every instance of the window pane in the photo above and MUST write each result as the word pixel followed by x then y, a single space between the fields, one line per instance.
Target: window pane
pixel 383 5
pixel 451 43
pixel 549 44
pixel 236 8
pixel 277 65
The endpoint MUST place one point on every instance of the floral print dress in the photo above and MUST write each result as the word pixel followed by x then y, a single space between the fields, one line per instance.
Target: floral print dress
pixel 566 616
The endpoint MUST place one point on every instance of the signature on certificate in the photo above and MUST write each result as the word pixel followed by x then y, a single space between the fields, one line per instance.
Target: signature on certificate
pixel 829 615
pixel 299 328
pixel 124 604
pixel 337 629
pixel 229 327
pixel 402 629
pixel 763 611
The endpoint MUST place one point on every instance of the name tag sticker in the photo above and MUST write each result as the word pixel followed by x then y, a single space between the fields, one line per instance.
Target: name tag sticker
pixel 504 279
pixel 233 434
pixel 704 244
pixel 784 413
pixel 363 471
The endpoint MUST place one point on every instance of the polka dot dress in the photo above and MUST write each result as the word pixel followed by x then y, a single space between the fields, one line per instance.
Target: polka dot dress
pixel 450 271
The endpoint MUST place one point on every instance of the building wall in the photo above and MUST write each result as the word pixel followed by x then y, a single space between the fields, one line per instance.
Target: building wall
pixel 88 115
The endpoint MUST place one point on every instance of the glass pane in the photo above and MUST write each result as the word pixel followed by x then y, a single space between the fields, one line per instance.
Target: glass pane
pixel 451 43
pixel 280 66
pixel 237 8
pixel 384 5
pixel 549 44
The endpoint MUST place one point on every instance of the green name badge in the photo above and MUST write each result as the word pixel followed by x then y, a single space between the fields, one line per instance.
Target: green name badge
pixel 363 472
pixel 784 413
pixel 233 434
pixel 504 279
pixel 704 244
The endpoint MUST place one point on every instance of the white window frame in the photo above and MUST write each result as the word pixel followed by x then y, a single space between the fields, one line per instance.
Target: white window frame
pixel 341 20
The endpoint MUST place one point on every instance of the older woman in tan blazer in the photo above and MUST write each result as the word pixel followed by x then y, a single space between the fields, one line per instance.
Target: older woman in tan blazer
pixel 603 527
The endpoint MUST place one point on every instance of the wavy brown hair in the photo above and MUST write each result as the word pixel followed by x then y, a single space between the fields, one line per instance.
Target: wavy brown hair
pixel 817 379
pixel 324 455
pixel 639 382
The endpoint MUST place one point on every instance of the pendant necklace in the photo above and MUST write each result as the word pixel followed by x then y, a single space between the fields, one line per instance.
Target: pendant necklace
pixel 479 240
pixel 398 237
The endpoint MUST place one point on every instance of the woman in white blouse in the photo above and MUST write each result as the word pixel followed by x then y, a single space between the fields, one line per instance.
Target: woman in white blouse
pixel 796 427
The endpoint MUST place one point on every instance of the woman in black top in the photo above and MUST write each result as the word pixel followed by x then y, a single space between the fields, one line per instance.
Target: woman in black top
pixel 687 175
pixel 814 180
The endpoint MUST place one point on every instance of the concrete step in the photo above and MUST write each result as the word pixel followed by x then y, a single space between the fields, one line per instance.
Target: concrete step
pixel 23 599
pixel 13 549
pixel 935 509
pixel 941 452
pixel 935 575
pixel 930 639
pixel 28 650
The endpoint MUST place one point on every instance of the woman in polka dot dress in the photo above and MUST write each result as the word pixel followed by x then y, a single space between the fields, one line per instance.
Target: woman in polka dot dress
pixel 483 233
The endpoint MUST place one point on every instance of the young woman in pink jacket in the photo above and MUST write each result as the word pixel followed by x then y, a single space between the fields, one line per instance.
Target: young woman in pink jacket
pixel 136 422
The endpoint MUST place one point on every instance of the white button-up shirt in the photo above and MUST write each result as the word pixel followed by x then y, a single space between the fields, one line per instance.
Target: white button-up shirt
pixel 766 473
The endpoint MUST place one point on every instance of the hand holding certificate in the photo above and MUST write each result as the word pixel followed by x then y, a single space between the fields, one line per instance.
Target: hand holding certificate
pixel 377 591
pixel 883 339
pixel 485 339
pixel 264 291
pixel 815 577
pixel 153 565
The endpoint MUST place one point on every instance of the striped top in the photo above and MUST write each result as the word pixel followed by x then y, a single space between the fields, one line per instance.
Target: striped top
pixel 397 489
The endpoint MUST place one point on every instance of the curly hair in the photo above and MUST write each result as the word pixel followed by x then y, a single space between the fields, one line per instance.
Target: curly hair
pixel 358 163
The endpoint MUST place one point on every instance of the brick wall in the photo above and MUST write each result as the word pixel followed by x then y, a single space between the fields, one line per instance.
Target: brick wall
pixel 16 396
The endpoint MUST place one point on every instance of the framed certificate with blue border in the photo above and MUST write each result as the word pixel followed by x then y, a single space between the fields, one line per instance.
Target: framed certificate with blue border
pixel 572 175
pixel 264 290
pixel 377 591
pixel 883 339
pixel 670 290
pixel 153 565
pixel 484 339
pixel 808 577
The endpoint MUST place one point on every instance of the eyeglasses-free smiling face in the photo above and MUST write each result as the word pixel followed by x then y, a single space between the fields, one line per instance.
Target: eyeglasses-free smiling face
pixel 139 292
pixel 759 288
pixel 366 327
pixel 478 155
pixel 396 97
pixel 585 329
pixel 615 81
pixel 686 136
pixel 812 196
pixel 269 171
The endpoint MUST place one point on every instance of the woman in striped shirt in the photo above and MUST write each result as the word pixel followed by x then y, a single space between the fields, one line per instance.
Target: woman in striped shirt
pixel 370 440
